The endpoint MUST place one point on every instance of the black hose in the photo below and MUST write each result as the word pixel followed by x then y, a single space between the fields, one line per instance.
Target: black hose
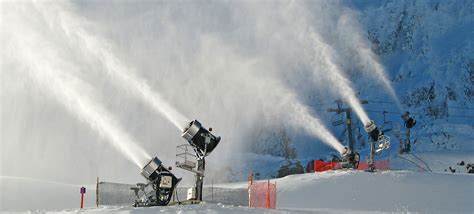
pixel 411 162
pixel 422 161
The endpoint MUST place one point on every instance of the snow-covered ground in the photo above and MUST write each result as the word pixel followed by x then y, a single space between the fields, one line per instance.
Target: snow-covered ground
pixel 328 192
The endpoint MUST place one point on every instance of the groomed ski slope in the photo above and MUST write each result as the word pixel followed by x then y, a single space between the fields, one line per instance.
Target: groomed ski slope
pixel 327 192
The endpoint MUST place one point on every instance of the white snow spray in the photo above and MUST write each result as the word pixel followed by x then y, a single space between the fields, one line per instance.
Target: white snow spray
pixel 366 58
pixel 335 76
pixel 314 126
pixel 43 63
pixel 321 59
pixel 63 19
pixel 299 115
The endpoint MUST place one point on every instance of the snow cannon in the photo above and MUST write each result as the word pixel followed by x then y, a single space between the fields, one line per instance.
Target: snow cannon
pixel 382 142
pixel 373 131
pixel 409 121
pixel 350 159
pixel 160 187
pixel 200 138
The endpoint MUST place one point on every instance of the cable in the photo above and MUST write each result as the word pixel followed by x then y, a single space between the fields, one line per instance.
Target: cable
pixel 391 112
pixel 398 113
pixel 388 102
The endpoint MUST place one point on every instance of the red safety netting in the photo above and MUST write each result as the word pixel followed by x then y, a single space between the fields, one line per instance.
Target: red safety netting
pixel 379 164
pixel 321 166
pixel 262 195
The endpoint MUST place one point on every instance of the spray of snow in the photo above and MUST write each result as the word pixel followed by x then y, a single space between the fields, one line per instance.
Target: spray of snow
pixel 62 18
pixel 336 77
pixel 321 58
pixel 299 116
pixel 365 57
pixel 314 126
pixel 43 63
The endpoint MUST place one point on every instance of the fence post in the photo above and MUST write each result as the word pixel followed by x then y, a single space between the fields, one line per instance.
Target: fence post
pixel 249 188
pixel 83 191
pixel 97 193
pixel 314 166
pixel 268 194
pixel 275 196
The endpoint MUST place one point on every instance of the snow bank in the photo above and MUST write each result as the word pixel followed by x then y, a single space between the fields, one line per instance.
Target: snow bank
pixel 385 191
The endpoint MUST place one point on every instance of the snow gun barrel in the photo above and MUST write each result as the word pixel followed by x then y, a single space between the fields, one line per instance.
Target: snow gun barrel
pixel 200 138
pixel 374 133
pixel 151 169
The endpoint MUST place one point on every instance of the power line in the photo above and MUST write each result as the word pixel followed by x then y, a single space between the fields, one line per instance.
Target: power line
pixel 388 102
pixel 391 112
pixel 398 113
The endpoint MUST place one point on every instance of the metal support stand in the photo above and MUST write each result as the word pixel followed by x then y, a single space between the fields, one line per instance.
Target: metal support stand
pixel 371 161
pixel 407 141
pixel 200 177
pixel 349 130
pixel 409 123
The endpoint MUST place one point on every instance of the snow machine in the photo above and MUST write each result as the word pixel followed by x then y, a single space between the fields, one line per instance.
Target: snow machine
pixel 160 187
pixel 381 141
pixel 378 143
pixel 350 159
pixel 203 143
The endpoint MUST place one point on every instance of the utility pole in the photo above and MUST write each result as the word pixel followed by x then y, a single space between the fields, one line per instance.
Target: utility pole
pixel 348 111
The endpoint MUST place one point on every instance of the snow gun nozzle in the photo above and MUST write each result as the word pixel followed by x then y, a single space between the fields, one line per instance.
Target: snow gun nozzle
pixel 346 152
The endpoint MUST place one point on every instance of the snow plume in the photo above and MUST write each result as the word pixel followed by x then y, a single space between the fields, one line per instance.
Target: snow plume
pixel 325 66
pixel 313 125
pixel 350 33
pixel 286 105
pixel 321 57
pixel 235 66
pixel 62 19
pixel 41 61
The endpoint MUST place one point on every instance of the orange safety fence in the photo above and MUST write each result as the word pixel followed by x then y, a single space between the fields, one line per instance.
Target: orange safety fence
pixel 262 194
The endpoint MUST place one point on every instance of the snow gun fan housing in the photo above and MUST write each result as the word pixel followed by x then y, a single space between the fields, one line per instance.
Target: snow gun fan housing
pixel 200 138
pixel 409 121
pixel 151 169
